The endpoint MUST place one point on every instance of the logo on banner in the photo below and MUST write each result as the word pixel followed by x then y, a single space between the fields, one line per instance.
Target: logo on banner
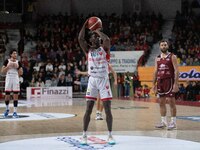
pixel 192 75
pixel 35 92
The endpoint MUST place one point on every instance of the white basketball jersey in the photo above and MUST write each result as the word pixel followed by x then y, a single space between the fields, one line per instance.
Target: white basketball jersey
pixel 98 63
pixel 12 72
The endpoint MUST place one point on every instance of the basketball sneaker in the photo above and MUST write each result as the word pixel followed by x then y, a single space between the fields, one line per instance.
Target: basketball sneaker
pixel 161 125
pixel 172 126
pixel 99 116
pixel 84 140
pixel 5 114
pixel 15 115
pixel 111 141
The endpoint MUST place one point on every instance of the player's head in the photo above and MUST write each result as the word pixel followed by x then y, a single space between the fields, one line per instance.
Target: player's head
pixel 13 54
pixel 94 40
pixel 164 46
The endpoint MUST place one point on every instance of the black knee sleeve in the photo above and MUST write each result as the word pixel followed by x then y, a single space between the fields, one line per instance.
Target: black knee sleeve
pixel 7 102
pixel 15 102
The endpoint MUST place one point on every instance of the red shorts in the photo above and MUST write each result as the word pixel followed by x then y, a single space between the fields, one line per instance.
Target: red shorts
pixel 165 87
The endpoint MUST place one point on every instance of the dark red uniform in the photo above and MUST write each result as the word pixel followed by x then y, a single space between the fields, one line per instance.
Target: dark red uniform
pixel 165 76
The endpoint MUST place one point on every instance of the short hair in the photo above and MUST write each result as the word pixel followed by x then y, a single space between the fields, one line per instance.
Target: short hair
pixel 164 40
pixel 14 50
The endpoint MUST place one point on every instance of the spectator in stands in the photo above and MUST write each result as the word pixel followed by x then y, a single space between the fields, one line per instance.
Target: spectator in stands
pixel 40 83
pixel 62 66
pixel 23 87
pixel 83 84
pixel 120 81
pixel 146 91
pixel 138 92
pixel 181 95
pixel 136 81
pixel 127 82
pixel 62 80
pixel 54 81
pixel 190 91
pixel 69 80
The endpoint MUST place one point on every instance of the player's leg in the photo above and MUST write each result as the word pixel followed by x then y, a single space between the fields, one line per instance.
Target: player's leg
pixel 7 101
pixel 86 120
pixel 7 96
pixel 161 89
pixel 16 90
pixel 99 109
pixel 172 104
pixel 163 112
pixel 106 96
pixel 109 120
pixel 91 96
pixel 15 104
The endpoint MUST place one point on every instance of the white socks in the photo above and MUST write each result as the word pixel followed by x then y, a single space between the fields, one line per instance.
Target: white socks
pixel 15 109
pixel 110 133
pixel 7 107
pixel 84 133
pixel 164 119
pixel 173 119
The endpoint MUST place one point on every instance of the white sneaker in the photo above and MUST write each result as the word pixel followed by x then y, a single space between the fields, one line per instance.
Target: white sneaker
pixel 111 141
pixel 99 116
pixel 172 126
pixel 161 125
pixel 83 140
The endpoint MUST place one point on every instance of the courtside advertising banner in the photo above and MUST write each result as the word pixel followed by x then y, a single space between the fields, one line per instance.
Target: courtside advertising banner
pixel 49 95
pixel 186 73
pixel 124 61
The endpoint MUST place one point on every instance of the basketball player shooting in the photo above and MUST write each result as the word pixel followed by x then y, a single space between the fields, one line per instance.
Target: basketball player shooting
pixel 98 56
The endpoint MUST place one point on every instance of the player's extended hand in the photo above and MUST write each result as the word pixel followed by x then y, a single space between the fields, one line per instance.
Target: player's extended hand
pixel 175 88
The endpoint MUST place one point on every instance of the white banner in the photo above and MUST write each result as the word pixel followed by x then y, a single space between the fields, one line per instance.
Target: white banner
pixel 123 61
pixel 47 96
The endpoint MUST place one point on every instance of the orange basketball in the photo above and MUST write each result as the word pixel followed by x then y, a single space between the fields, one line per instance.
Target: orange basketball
pixel 94 23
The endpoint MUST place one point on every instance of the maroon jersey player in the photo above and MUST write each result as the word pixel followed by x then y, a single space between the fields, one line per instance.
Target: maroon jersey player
pixel 165 83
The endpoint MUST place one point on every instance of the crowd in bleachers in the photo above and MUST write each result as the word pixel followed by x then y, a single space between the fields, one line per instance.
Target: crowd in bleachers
pixel 186 39
pixel 3 42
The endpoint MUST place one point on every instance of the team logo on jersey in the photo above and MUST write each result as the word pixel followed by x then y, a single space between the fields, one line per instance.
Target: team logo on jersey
pixel 162 65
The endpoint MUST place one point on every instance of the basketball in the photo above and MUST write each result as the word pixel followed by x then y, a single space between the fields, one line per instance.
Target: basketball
pixel 94 23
